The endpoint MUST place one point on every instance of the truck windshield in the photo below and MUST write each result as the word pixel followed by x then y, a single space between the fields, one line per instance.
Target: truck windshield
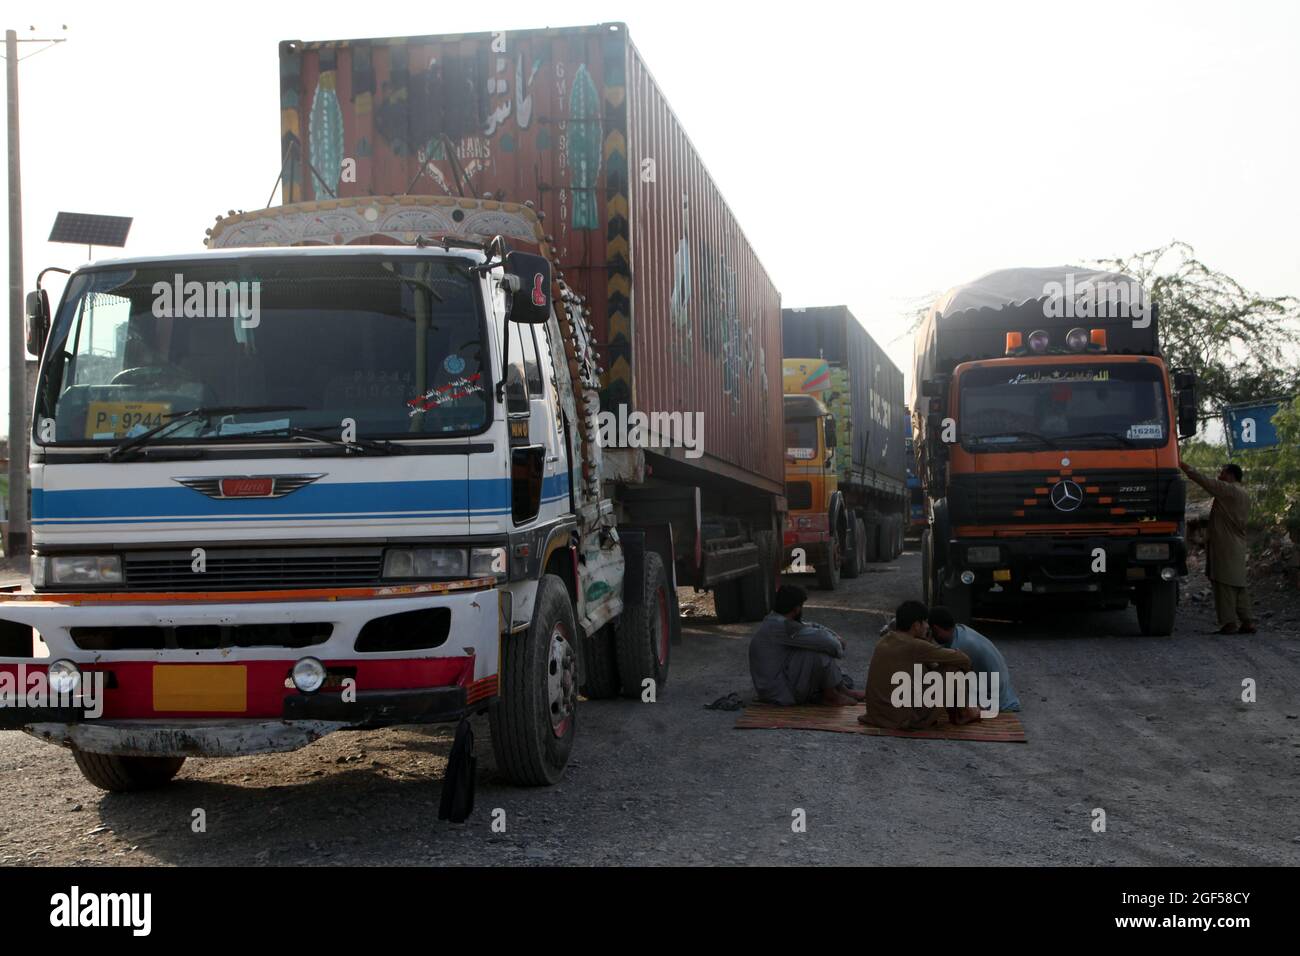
pixel 393 343
pixel 801 438
pixel 1105 405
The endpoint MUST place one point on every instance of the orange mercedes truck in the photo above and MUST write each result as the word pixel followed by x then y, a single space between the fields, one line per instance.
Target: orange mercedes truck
pixel 1046 425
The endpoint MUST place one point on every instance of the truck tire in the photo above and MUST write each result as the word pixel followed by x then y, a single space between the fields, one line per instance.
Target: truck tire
pixel 885 540
pixel 726 602
pixel 122 774
pixel 756 588
pixel 855 552
pixel 599 666
pixel 870 542
pixel 645 630
pixel 533 720
pixel 828 567
pixel 1157 608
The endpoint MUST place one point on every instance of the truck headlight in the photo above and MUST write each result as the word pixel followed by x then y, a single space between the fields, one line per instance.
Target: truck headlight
pixel 64 677
pixel 308 675
pixel 425 563
pixel 488 563
pixel 1152 552
pixel 80 569
pixel 983 554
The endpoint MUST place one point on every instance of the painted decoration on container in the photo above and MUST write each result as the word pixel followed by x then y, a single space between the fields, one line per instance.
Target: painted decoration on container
pixel 584 139
pixel 325 135
pixel 679 302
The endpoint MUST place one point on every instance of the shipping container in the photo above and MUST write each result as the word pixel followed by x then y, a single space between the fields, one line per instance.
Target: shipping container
pixel 868 402
pixel 572 121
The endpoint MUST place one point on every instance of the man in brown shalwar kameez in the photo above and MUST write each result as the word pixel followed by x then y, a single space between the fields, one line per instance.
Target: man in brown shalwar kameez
pixel 907 645
pixel 1225 552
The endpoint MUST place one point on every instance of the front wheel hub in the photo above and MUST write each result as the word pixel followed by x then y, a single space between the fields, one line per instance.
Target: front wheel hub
pixel 561 680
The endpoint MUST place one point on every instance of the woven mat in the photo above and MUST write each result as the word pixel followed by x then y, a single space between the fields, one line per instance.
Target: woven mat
pixel 1004 728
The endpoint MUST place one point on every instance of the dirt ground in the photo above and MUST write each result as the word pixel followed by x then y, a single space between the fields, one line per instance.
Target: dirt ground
pixel 1152 731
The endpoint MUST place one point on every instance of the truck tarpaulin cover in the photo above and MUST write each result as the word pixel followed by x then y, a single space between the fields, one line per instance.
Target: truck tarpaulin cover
pixel 1008 299
pixel 686 318
pixel 874 406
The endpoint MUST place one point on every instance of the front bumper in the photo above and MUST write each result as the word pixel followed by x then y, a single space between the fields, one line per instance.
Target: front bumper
pixel 1097 564
pixel 805 539
pixel 307 719
pixel 240 699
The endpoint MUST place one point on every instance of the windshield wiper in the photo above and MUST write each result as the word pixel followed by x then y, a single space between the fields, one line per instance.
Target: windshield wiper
pixel 130 444
pixel 357 445
pixel 982 439
pixel 1127 442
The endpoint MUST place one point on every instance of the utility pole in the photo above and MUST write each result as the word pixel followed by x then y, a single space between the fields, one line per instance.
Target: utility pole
pixel 16 544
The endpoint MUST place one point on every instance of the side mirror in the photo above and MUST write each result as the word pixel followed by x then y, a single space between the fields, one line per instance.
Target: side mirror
pixel 38 321
pixel 529 294
pixel 828 425
pixel 931 389
pixel 1187 412
pixel 1184 379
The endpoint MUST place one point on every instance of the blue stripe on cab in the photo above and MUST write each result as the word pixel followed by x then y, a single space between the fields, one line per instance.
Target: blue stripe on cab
pixel 368 499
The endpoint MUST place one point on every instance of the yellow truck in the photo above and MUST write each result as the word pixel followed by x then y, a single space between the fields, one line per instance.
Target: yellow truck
pixel 845 432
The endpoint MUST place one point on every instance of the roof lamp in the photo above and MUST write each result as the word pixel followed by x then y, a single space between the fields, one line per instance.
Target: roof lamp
pixel 1038 341
pixel 1076 340
pixel 1098 337
pixel 1015 342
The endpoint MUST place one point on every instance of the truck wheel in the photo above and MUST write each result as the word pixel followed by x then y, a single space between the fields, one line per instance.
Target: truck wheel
pixel 599 666
pixel 1157 607
pixel 855 552
pixel 828 566
pixel 645 632
pixel 726 602
pixel 533 720
pixel 122 774
pixel 870 542
pixel 885 541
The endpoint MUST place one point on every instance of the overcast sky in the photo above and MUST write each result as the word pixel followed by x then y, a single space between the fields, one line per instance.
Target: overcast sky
pixel 875 154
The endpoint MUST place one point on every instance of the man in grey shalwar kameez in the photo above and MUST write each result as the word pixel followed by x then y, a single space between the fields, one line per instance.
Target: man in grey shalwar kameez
pixel 796 663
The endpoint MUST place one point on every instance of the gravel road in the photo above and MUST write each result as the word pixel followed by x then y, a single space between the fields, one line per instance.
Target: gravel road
pixel 1151 730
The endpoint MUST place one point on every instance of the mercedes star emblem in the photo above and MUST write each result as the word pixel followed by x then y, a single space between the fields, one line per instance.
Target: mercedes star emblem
pixel 1066 495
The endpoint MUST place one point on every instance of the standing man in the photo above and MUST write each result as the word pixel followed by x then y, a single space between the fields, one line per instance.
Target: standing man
pixel 796 663
pixel 1225 553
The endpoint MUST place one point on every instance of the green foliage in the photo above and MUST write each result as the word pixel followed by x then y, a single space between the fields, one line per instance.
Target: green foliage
pixel 1243 346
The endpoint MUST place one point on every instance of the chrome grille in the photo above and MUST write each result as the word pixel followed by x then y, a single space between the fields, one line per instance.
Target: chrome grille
pixel 252 569
pixel 1108 496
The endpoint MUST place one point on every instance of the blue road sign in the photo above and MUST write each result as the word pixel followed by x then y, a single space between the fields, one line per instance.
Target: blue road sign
pixel 1251 426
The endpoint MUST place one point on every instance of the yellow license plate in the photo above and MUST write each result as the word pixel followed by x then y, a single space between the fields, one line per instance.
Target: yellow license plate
pixel 207 688
pixel 115 419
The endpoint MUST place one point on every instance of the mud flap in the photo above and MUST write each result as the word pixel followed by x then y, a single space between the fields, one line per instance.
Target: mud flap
pixel 457 801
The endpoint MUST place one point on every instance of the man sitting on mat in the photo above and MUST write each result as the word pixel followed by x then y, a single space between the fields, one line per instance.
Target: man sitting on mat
pixel 984 657
pixel 792 662
pixel 898 653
